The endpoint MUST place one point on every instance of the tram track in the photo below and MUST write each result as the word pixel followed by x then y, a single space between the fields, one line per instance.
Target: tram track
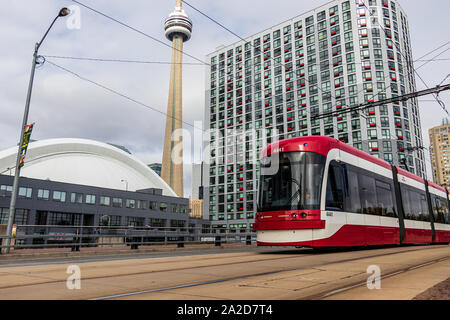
pixel 279 271
pixel 387 276
pixel 255 259
pixel 154 271
pixel 116 280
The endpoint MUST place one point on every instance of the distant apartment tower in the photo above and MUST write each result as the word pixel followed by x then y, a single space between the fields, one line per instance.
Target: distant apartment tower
pixel 197 186
pixel 334 57
pixel 440 153
pixel 196 209
pixel 156 167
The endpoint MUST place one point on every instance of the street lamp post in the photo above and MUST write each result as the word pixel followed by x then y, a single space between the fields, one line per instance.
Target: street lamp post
pixel 126 183
pixel 12 207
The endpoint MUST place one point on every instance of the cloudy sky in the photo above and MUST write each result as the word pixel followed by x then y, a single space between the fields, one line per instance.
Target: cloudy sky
pixel 64 106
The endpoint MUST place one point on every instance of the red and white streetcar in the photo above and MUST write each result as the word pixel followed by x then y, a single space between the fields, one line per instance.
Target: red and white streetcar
pixel 320 192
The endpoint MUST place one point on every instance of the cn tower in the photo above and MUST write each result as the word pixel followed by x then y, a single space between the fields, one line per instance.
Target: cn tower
pixel 178 29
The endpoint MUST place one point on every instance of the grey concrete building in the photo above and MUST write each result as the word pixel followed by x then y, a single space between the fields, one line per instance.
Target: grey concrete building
pixel 43 203
pixel 89 184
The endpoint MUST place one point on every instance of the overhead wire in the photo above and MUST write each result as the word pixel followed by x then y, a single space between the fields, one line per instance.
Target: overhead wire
pixel 184 63
pixel 116 92
pixel 334 114
pixel 335 126
pixel 145 34
pixel 406 59
pixel 197 10
pixel 427 54
pixel 138 31
pixel 433 59
pixel 120 60
pixel 414 69
pixel 337 113
pixel 242 39
pixel 134 29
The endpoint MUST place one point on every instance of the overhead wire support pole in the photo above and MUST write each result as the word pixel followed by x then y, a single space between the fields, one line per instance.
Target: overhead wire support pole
pixel 12 207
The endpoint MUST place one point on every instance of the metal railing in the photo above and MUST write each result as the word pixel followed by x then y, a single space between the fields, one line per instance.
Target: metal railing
pixel 76 237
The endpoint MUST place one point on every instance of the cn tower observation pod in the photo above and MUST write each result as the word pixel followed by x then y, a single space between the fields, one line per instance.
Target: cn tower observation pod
pixel 84 162
pixel 178 22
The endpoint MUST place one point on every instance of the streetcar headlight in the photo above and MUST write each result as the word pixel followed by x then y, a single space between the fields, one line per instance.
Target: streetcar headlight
pixel 294 215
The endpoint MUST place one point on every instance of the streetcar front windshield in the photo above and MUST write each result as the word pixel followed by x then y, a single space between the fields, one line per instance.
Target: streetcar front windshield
pixel 291 181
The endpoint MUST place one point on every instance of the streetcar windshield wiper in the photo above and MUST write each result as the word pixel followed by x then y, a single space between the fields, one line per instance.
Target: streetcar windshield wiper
pixel 297 193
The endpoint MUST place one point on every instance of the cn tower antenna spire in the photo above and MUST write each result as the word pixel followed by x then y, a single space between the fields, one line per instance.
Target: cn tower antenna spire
pixel 178 29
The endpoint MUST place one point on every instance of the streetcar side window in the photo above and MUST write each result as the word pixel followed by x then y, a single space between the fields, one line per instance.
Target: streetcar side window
pixel 406 202
pixel 419 203
pixel 440 209
pixel 415 204
pixel 367 193
pixel 445 211
pixel 353 203
pixel 385 199
pixel 356 190
pixel 424 214
pixel 335 188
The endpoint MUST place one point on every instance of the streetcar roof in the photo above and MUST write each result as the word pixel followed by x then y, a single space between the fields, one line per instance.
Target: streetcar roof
pixel 321 145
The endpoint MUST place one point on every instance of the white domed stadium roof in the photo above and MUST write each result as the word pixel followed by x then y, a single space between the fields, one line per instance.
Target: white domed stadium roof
pixel 84 162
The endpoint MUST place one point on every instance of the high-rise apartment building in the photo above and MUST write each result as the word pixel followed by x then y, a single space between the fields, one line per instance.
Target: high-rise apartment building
pixel 440 153
pixel 272 86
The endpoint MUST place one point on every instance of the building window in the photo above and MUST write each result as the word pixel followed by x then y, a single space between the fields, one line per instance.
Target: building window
pixel 142 204
pixel 5 190
pixel 105 201
pixel 64 219
pixel 174 208
pixel 385 134
pixel 117 202
pixel 90 199
pixel 59 196
pixel 107 220
pixel 76 197
pixel 155 222
pixel 372 134
pixel 20 217
pixel 130 203
pixel 43 194
pixel 177 223
pixel 163 207
pixel 134 221
pixel 388 157
pixel 387 146
pixel 153 205
pixel 25 192
pixel 356 136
